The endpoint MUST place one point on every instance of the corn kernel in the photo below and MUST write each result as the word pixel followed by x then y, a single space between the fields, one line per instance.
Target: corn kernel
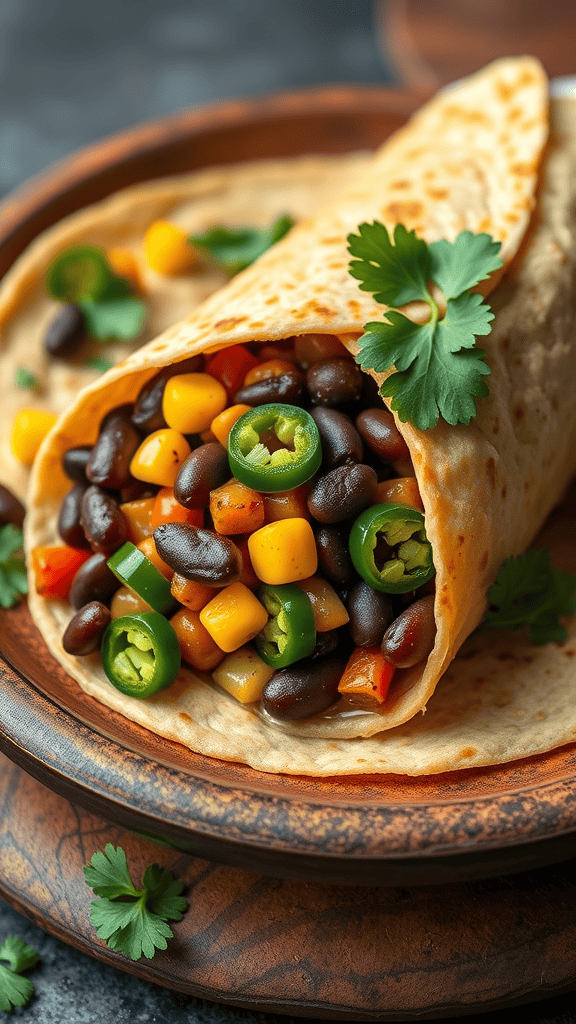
pixel 193 595
pixel 400 490
pixel 159 458
pixel 167 250
pixel 222 424
pixel 233 617
pixel 124 264
pixel 327 608
pixel 29 429
pixel 243 675
pixel 191 401
pixel 138 515
pixel 284 552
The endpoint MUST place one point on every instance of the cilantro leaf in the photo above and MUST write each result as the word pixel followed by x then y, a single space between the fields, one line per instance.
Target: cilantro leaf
pixel 395 274
pixel 439 370
pixel 99 363
pixel 463 263
pixel 236 248
pixel 26 380
pixel 13 577
pixel 528 591
pixel 130 920
pixel 114 319
pixel 15 990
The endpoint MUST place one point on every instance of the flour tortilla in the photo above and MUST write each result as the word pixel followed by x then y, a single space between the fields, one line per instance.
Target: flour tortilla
pixel 486 488
pixel 251 193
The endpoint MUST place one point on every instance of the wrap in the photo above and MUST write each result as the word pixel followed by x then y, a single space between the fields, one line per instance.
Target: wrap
pixel 468 160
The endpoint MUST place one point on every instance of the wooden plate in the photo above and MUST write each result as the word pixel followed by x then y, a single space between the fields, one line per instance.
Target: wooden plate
pixel 364 830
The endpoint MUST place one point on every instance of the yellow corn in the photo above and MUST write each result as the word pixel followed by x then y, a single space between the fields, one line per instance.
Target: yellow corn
pixel 167 250
pixel 284 551
pixel 159 457
pixel 243 675
pixel 29 429
pixel 327 608
pixel 124 264
pixel 191 401
pixel 222 424
pixel 233 617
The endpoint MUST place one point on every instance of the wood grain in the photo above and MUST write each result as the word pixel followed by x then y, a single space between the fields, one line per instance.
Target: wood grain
pixel 307 949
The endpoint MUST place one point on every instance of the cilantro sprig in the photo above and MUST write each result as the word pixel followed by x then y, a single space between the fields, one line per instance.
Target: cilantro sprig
pixel 83 275
pixel 236 248
pixel 529 592
pixel 14 989
pixel 13 578
pixel 439 371
pixel 130 920
pixel 25 379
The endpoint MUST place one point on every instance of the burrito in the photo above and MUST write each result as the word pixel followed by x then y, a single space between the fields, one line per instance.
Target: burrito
pixel 252 194
pixel 273 481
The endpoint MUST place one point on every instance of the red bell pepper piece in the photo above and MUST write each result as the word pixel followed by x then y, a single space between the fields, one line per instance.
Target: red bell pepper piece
pixel 367 673
pixel 230 366
pixel 55 568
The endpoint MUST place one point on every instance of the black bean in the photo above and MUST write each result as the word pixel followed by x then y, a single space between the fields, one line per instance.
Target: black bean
pixel 65 331
pixel 118 439
pixel 103 523
pixel 84 632
pixel 334 556
pixel 326 643
pixel 287 387
pixel 378 429
pixel 69 526
pixel 11 509
pixel 334 381
pixel 198 555
pixel 342 493
pixel 340 440
pixel 202 471
pixel 147 414
pixel 74 462
pixel 411 636
pixel 303 689
pixel 138 489
pixel 370 615
pixel 94 581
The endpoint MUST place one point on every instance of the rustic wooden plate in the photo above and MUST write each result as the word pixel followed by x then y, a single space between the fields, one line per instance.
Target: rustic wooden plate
pixel 367 830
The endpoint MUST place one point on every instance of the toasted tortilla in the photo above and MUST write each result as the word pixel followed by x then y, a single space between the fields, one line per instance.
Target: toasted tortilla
pixel 252 193
pixel 470 159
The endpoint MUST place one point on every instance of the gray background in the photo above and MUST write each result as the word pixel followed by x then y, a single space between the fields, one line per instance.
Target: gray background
pixel 71 73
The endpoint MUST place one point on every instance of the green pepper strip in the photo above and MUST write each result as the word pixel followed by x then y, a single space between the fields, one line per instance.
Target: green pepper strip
pixel 140 653
pixel 137 572
pixel 289 634
pixel 403 530
pixel 254 465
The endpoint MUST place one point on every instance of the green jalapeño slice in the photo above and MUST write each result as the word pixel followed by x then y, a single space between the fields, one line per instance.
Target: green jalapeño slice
pixel 79 273
pixel 140 653
pixel 136 571
pixel 390 550
pixel 274 448
pixel 289 634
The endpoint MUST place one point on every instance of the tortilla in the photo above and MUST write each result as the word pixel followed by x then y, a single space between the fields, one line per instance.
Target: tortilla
pixel 468 160
pixel 252 193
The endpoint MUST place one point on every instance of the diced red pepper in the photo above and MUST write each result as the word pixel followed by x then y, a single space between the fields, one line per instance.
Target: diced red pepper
pixel 367 673
pixel 167 509
pixel 55 568
pixel 230 366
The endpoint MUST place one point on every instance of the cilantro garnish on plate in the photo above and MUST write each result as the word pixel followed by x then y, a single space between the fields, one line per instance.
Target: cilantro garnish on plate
pixel 82 275
pixel 236 248
pixel 439 371
pixel 130 920
pixel 13 578
pixel 528 591
pixel 14 989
